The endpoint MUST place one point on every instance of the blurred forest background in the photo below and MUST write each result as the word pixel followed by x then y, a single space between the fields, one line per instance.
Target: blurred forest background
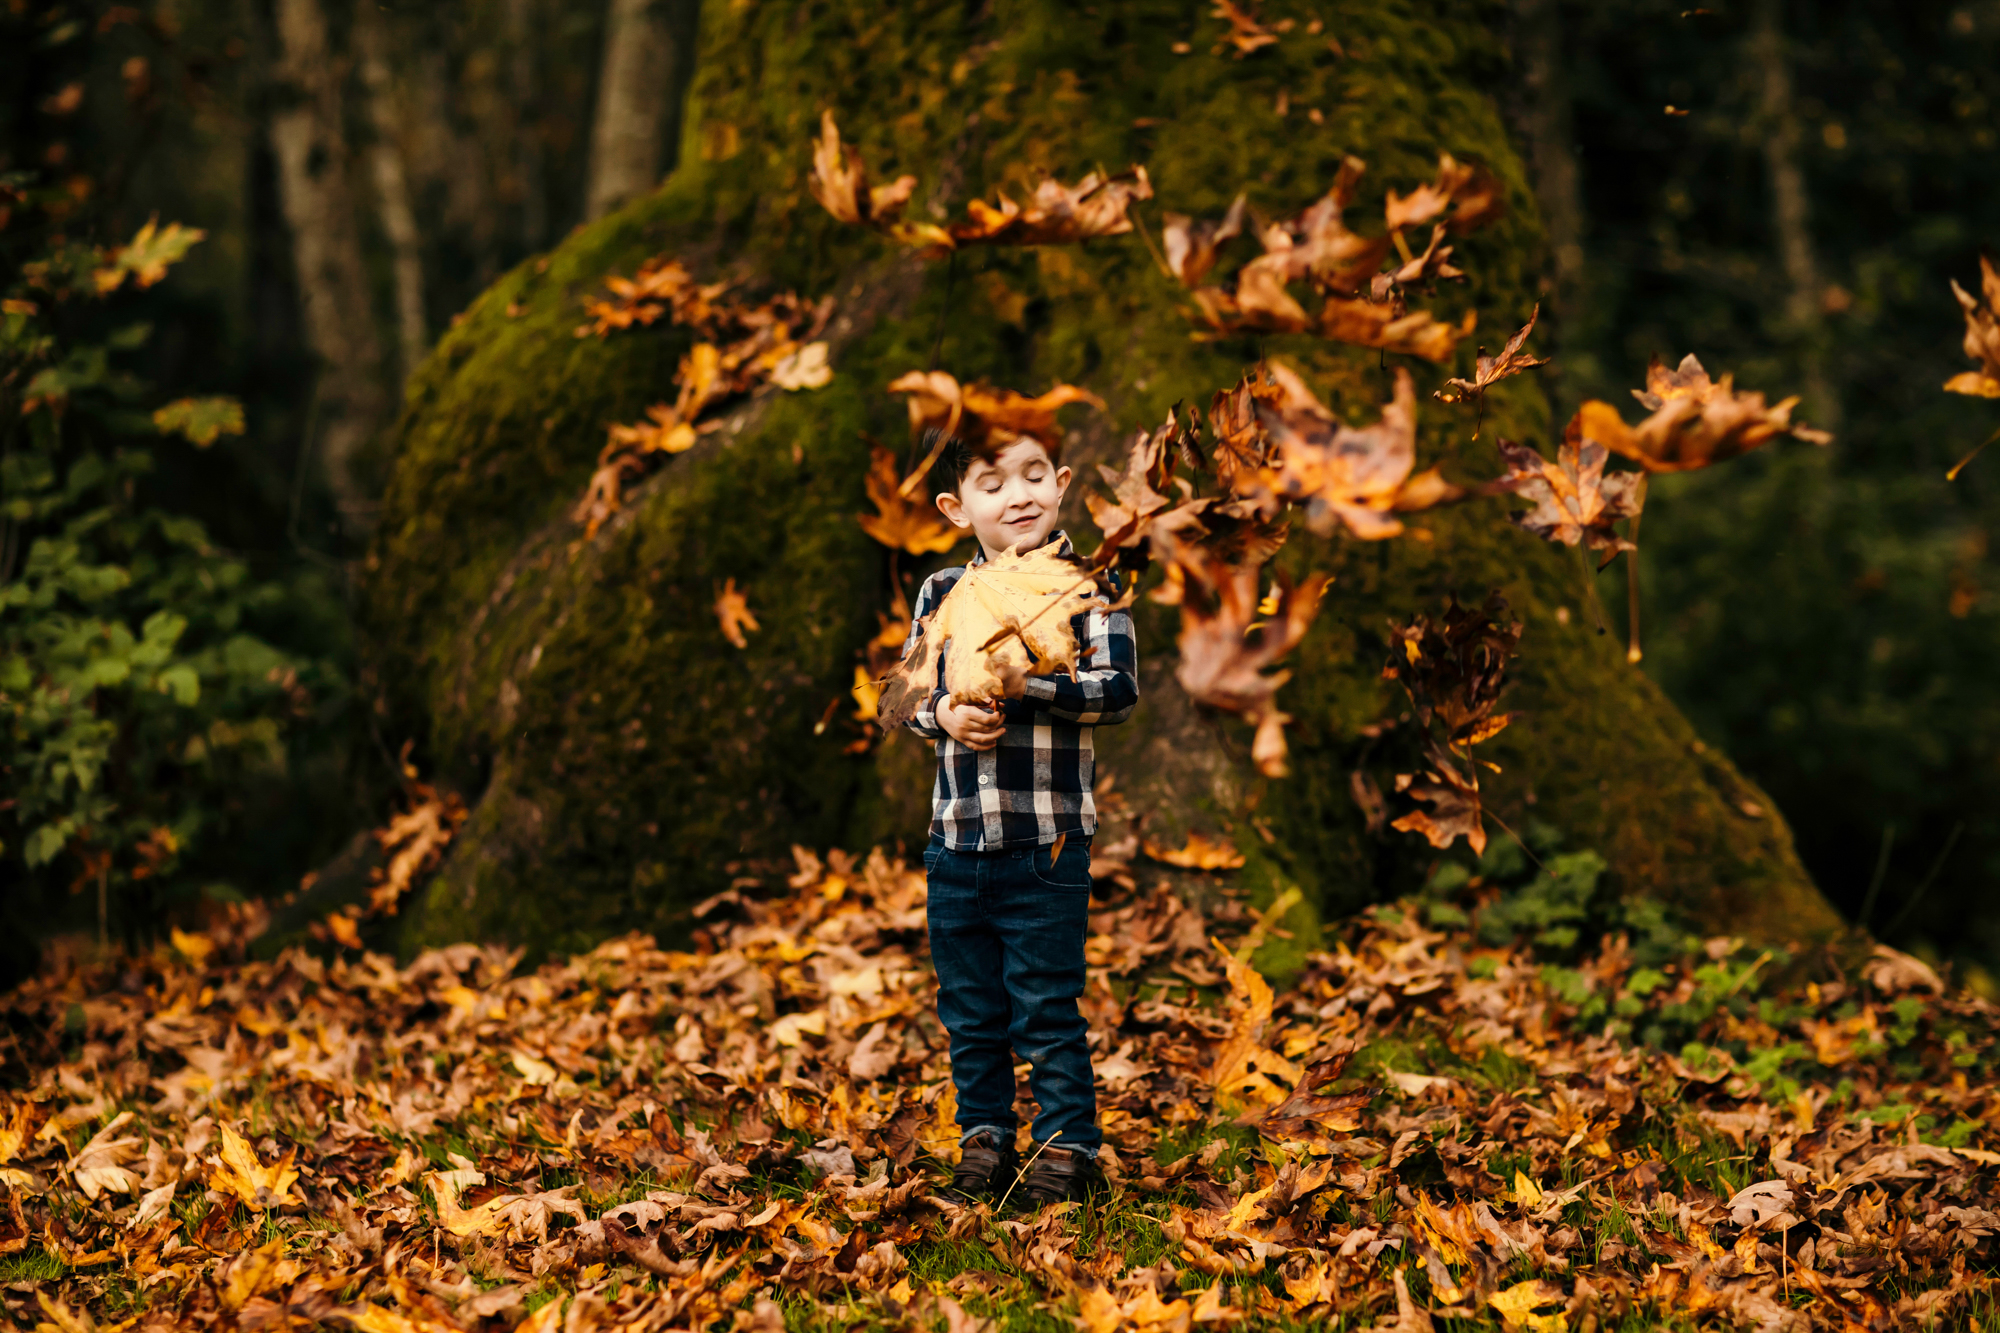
pixel 1785 187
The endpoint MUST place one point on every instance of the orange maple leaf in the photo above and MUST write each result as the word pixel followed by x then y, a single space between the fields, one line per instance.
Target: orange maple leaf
pixel 732 612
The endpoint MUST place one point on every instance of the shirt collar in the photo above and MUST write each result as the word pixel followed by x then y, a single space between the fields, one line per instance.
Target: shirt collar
pixel 1058 538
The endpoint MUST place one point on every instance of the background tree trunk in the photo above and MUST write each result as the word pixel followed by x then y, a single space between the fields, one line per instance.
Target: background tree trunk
pixel 1791 213
pixel 625 761
pixel 647 46
pixel 392 187
pixel 310 144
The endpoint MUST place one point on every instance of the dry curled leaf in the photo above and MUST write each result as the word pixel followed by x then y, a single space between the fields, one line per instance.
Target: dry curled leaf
pixel 839 182
pixel 733 613
pixel 1491 369
pixel 1575 499
pixel 1982 334
pixel 1358 477
pixel 1451 788
pixel 1454 671
pixel 1245 33
pixel 979 639
pixel 898 523
pixel 1695 422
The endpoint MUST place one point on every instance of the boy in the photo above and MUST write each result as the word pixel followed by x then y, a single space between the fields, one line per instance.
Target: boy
pixel 1009 855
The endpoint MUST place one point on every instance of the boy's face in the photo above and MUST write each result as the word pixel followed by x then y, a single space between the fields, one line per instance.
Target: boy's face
pixel 1009 501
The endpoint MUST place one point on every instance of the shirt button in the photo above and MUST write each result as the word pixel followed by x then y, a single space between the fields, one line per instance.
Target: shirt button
pixel 985 779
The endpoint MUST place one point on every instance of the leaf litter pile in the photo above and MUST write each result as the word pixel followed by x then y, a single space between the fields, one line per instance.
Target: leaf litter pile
pixel 1430 1122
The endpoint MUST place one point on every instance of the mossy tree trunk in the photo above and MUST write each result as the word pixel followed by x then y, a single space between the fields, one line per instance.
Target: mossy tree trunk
pixel 625 761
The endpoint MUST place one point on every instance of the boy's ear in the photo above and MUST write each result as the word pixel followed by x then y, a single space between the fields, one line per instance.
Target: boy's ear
pixel 1063 474
pixel 948 505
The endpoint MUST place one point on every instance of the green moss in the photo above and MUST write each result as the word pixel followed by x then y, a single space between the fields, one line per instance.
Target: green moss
pixel 628 761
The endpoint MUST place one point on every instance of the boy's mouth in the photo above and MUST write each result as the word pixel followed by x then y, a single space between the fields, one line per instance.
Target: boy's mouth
pixel 1024 522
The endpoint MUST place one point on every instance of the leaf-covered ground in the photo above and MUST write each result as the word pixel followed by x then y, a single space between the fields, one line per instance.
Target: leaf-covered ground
pixel 1422 1131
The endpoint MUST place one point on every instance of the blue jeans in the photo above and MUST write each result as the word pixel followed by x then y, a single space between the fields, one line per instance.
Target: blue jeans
pixel 1007 932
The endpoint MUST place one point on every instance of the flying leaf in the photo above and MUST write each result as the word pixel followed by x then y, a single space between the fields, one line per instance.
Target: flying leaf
pixel 1245 33
pixel 1127 519
pixel 1575 500
pixel 985 418
pixel 1055 214
pixel 145 258
pixel 261 1187
pixel 1695 422
pixel 732 612
pixel 1197 854
pixel 979 639
pixel 1223 661
pixel 902 524
pixel 840 182
pixel 1982 334
pixel 1454 672
pixel 1491 369
pixel 663 432
pixel 1452 792
pixel 1190 246
pixel 1346 475
pixel 1471 193
pixel 202 421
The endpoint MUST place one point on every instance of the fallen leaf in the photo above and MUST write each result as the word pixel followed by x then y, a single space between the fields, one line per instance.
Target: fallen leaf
pixel 261 1187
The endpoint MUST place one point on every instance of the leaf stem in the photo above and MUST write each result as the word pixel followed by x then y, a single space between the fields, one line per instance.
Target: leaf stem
pixel 1953 474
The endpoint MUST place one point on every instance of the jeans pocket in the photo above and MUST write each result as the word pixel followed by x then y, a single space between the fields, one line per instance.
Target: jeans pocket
pixel 1070 870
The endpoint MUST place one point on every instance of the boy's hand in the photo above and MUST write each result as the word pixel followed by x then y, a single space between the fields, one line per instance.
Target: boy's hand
pixel 975 726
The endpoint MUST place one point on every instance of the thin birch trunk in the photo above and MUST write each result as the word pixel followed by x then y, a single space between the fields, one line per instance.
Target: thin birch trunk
pixel 392 189
pixel 311 149
pixel 1791 209
pixel 640 88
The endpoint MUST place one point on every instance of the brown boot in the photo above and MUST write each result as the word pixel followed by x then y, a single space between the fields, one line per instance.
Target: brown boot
pixel 1058 1175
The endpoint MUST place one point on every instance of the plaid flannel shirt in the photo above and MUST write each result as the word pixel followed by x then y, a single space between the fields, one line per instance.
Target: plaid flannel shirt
pixel 1034 786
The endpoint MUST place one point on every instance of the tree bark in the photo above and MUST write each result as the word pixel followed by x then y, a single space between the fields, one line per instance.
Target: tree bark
pixel 311 148
pixel 624 761
pixel 392 188
pixel 641 85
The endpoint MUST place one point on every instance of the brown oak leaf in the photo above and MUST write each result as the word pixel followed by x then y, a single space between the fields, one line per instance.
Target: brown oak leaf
pixel 1454 670
pixel 840 182
pixel 1695 421
pixel 1575 500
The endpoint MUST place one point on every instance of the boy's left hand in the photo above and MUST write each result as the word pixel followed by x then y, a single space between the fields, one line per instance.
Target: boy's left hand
pixel 975 726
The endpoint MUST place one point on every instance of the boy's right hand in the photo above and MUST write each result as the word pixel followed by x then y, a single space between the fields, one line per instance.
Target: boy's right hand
pixel 975 726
